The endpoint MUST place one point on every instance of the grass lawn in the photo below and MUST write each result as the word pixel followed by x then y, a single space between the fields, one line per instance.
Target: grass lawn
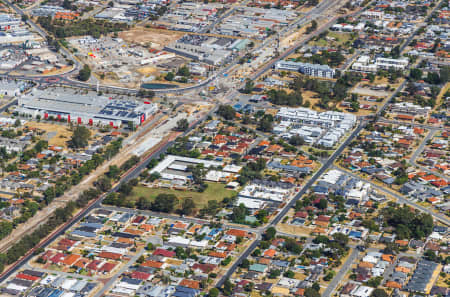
pixel 215 191
pixel 340 39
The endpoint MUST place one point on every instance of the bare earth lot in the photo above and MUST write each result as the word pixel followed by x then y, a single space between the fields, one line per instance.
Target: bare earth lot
pixel 158 38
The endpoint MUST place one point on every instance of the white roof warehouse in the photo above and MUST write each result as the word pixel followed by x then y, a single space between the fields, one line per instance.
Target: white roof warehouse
pixel 84 109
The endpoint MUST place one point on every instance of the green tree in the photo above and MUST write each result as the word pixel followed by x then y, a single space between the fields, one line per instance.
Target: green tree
pixel 85 73
pixel 214 292
pixel 113 172
pixel 444 74
pixel 265 124
pixel 289 274
pixel 395 52
pixel 143 203
pixel 323 203
pixel 329 276
pixel 408 223
pixel 198 173
pixel 296 140
pixel 169 76
pixel 375 282
pixel 5 229
pixel 310 292
pixel 248 87
pixel 245 263
pixel 321 239
pixel 239 213
pixel 228 288
pixel 312 27
pixel 183 71
pixel 379 293
pixel 182 125
pixel 354 106
pixel 103 184
pixel 415 73
pixel 274 273
pixel 340 238
pixel 270 233
pixel 292 246
pixel 227 112
pixel 187 207
pixel 80 137
pixel 141 259
pixel 433 78
pixel 164 203
pixel 281 97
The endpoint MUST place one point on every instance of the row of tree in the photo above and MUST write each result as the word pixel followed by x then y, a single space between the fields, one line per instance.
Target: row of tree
pixel 95 28
pixel 407 223
pixel 62 215
pixel 59 216
pixel 64 183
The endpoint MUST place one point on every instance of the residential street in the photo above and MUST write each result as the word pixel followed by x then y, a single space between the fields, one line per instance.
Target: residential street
pixel 340 275
pixel 438 216
pixel 420 149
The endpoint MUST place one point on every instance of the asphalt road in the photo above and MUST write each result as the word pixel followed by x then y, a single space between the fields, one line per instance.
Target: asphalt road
pixel 5 107
pixel 141 166
pixel 422 146
pixel 419 150
pixel 340 275
pixel 132 173
pixel 41 32
pixel 424 126
pixel 289 205
pixel 408 41
pixel 67 81
pixel 328 163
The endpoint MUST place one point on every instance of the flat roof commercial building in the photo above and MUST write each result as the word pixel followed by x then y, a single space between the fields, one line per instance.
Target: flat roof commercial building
pixel 255 22
pixel 8 22
pixel 210 50
pixel 84 109
pixel 364 64
pixel 11 87
pixel 176 167
pixel 308 116
pixel 316 70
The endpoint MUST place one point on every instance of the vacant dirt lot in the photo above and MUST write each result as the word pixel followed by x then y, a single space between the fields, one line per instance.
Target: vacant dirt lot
pixel 148 70
pixel 58 135
pixel 158 38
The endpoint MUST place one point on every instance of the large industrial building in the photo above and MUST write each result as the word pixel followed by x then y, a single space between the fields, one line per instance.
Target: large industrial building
pixel 210 50
pixel 84 109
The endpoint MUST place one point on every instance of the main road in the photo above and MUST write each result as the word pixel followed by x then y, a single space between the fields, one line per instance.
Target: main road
pixel 291 203
pixel 130 174
pixel 66 80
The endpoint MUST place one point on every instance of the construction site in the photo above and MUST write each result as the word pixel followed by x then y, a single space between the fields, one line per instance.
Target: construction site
pixel 117 62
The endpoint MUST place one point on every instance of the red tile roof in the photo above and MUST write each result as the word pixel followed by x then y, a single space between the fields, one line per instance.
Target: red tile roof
pixel 164 253
pixel 109 255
